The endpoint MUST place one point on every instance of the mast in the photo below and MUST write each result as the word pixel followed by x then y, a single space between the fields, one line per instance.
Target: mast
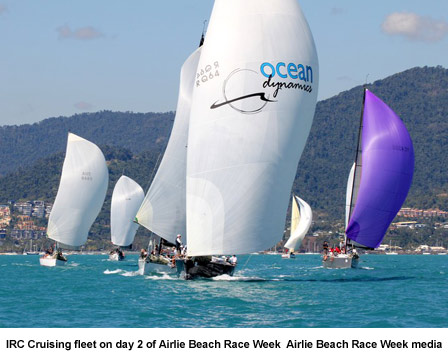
pixel 201 42
pixel 358 162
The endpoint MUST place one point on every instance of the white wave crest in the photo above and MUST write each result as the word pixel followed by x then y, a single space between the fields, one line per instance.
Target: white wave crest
pixel 130 273
pixel 107 272
pixel 226 277
pixel 163 277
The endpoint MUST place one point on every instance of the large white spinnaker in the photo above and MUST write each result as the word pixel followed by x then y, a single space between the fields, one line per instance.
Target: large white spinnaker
pixel 163 209
pixel 301 218
pixel 126 200
pixel 81 193
pixel 252 110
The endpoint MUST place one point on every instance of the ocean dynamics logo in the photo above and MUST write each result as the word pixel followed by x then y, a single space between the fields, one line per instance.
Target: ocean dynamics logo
pixel 244 92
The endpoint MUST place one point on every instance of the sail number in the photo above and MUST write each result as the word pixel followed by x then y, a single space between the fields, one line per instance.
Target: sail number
pixel 87 176
pixel 207 73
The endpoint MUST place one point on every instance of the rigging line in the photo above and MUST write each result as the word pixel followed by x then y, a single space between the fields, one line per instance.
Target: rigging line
pixel 245 264
pixel 156 166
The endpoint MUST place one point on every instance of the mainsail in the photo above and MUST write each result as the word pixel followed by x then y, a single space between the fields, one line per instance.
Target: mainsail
pixel 387 167
pixel 301 218
pixel 81 193
pixel 126 200
pixel 163 209
pixel 252 109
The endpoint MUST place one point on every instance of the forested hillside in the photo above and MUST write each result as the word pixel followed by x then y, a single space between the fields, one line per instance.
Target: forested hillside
pixel 32 155
pixel 23 145
pixel 420 97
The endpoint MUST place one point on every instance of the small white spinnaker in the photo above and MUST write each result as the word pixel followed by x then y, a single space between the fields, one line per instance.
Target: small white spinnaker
pixel 126 200
pixel 301 218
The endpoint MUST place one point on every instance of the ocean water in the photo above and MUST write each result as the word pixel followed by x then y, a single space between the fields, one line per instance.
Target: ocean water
pixel 267 291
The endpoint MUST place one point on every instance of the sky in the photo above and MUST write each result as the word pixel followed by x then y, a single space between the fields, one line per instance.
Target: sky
pixel 61 57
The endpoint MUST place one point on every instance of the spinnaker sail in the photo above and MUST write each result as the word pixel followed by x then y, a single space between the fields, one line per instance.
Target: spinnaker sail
pixel 126 200
pixel 386 172
pixel 301 218
pixel 253 104
pixel 80 195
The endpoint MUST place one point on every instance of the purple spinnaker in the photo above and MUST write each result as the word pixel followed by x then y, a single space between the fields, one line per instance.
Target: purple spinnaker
pixel 387 167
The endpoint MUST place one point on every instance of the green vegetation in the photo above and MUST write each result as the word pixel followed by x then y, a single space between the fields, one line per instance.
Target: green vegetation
pixel 420 97
pixel 23 145
pixel 32 155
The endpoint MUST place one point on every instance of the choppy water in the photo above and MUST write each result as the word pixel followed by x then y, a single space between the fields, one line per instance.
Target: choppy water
pixel 266 291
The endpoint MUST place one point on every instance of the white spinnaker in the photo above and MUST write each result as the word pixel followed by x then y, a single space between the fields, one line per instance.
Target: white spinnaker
pixel 163 209
pixel 348 198
pixel 126 200
pixel 81 193
pixel 300 229
pixel 242 150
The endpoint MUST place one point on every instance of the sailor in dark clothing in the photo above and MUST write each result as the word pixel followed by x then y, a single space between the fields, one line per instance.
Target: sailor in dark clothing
pixel 49 251
pixel 325 247
pixel 178 242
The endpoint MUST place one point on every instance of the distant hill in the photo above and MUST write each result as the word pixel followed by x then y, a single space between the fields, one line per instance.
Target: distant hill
pixel 419 96
pixel 40 182
pixel 23 145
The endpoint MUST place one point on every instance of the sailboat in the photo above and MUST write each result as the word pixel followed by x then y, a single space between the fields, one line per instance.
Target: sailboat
pixel 126 200
pixel 301 218
pixel 253 104
pixel 79 199
pixel 32 251
pixel 163 209
pixel 378 182
pixel 390 252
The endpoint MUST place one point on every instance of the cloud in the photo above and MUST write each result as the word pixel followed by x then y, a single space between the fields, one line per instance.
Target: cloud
pixel 84 33
pixel 415 27
pixel 82 105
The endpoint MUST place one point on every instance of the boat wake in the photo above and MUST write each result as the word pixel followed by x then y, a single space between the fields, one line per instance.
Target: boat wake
pixel 130 273
pixel 108 272
pixel 226 277
pixel 162 276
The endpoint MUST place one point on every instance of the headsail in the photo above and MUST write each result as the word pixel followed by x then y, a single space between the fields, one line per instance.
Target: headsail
pixel 126 200
pixel 386 173
pixel 301 218
pixel 163 209
pixel 252 109
pixel 81 193
pixel 349 198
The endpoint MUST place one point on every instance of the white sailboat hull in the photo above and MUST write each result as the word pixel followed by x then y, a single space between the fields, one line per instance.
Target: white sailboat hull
pixel 288 256
pixel 51 262
pixel 341 261
pixel 146 268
